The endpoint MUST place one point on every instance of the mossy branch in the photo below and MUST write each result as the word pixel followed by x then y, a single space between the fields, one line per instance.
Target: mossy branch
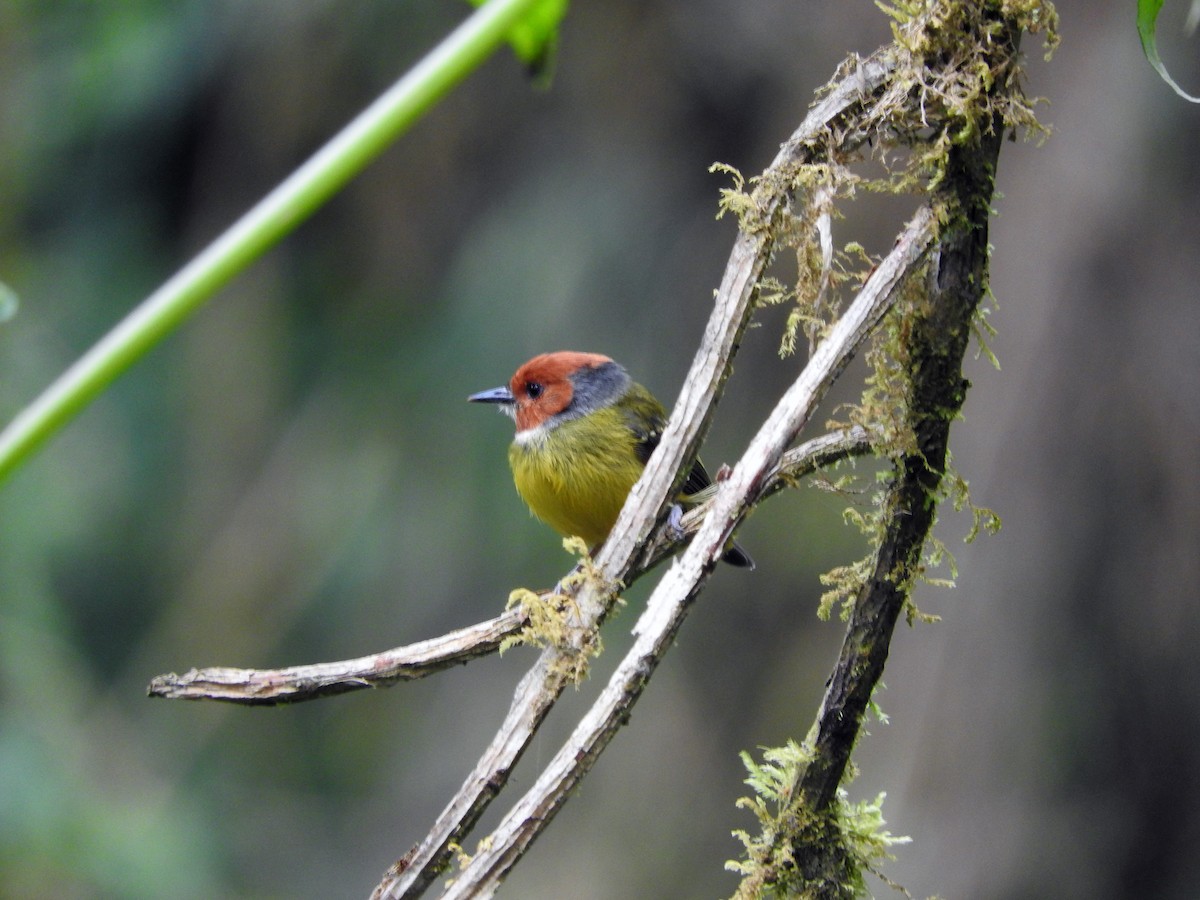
pixel 934 345
pixel 812 845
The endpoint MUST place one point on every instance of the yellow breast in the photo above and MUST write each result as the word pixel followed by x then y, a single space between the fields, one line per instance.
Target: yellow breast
pixel 575 477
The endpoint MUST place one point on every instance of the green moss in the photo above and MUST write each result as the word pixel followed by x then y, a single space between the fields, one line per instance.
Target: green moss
pixel 796 853
pixel 551 618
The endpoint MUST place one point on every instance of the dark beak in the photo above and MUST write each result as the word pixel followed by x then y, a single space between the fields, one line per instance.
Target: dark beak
pixel 495 395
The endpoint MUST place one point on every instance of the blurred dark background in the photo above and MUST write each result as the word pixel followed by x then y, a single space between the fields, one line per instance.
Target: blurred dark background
pixel 294 476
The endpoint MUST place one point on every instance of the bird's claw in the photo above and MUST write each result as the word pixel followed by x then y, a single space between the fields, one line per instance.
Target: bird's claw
pixel 675 522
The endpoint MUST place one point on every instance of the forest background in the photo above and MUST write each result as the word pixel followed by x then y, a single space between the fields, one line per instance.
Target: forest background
pixel 295 477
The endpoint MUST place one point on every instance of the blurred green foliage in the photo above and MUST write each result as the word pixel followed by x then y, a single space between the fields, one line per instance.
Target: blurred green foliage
pixel 294 476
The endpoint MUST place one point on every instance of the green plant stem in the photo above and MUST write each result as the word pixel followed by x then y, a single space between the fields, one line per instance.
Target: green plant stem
pixel 277 214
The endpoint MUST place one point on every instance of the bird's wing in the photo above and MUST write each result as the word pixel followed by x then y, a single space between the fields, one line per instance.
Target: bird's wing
pixel 647 433
pixel 647 437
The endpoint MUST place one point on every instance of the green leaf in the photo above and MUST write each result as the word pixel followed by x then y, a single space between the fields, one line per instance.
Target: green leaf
pixel 535 37
pixel 1147 21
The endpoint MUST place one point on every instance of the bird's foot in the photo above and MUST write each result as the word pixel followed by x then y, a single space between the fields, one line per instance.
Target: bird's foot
pixel 675 522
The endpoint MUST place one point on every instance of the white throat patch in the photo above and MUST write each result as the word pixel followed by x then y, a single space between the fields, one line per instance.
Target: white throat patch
pixel 535 435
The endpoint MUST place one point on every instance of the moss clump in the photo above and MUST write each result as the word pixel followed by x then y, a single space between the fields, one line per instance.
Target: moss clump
pixel 799 854
pixel 552 617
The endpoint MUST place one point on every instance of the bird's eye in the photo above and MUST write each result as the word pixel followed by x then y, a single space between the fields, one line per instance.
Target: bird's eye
pixel 534 390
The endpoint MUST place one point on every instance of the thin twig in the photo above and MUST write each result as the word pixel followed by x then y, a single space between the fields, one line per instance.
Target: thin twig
pixel 795 464
pixel 265 687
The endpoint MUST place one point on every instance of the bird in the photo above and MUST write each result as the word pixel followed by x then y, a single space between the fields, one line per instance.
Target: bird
pixel 585 430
